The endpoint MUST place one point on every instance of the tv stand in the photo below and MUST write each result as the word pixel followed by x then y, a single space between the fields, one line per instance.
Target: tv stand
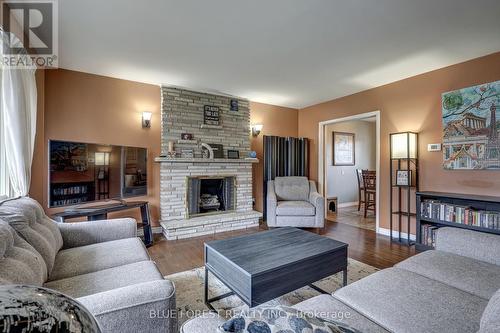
pixel 101 213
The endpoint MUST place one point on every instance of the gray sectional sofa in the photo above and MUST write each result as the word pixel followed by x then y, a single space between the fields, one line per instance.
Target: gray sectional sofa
pixel 102 264
pixel 455 288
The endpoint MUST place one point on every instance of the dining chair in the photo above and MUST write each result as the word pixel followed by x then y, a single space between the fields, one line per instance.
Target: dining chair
pixel 370 190
pixel 361 187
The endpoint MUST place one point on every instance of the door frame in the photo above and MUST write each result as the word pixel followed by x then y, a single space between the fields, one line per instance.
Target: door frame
pixel 322 161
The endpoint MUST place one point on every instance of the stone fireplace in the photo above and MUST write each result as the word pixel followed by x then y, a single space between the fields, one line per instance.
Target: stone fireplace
pixel 200 196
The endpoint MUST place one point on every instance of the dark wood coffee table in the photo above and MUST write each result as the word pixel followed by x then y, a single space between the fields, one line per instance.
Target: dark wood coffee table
pixel 262 266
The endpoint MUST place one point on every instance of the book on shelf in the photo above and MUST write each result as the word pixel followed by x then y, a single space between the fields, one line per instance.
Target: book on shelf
pixel 436 210
pixel 79 189
pixel 428 234
pixel 65 202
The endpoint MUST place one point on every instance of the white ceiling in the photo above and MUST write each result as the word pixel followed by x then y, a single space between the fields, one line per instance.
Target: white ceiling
pixel 285 52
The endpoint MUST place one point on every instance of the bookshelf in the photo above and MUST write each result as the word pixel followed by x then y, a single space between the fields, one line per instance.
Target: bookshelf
pixel 440 209
pixel 403 158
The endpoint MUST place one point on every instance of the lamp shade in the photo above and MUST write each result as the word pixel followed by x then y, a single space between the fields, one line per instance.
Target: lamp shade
pixel 256 129
pixel 146 119
pixel 404 145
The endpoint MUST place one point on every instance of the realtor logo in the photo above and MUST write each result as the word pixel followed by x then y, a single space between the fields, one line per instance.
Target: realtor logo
pixel 33 27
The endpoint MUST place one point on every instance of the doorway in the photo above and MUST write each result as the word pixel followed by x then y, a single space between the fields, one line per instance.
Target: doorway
pixel 347 145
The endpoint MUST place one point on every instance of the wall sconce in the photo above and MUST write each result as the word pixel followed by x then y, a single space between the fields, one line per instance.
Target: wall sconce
pixel 256 129
pixel 146 119
pixel 404 145
pixel 101 159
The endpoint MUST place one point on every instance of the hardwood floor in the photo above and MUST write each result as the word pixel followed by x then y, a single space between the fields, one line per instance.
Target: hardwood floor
pixel 364 245
pixel 351 216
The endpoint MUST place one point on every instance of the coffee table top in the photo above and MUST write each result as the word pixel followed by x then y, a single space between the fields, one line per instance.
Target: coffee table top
pixel 270 250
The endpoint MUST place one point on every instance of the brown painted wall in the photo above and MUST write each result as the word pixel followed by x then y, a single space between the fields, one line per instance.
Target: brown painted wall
pixel 38 172
pixel 412 104
pixel 277 120
pixel 97 109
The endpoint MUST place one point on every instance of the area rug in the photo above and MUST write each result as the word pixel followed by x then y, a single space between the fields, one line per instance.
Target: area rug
pixel 189 291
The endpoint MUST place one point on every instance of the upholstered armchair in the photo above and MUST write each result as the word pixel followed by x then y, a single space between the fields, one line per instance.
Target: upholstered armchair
pixel 294 202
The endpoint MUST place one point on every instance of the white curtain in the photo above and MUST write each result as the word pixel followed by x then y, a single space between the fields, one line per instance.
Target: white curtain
pixel 18 98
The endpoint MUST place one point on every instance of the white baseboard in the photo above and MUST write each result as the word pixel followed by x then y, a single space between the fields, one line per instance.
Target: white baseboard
pixel 348 204
pixel 395 233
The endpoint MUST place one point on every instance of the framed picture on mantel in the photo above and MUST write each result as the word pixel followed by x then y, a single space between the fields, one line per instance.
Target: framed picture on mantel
pixel 343 149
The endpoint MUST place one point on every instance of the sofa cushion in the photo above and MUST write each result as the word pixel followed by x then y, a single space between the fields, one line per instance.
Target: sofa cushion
pixel 295 208
pixel 295 221
pixel 327 307
pixel 36 214
pixel 476 245
pixel 19 262
pixel 490 321
pixel 27 218
pixel 108 279
pixel 141 307
pixel 476 277
pixel 291 188
pixel 402 301
pixel 96 257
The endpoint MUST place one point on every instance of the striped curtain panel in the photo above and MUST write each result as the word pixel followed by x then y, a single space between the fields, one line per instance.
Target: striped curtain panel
pixel 284 157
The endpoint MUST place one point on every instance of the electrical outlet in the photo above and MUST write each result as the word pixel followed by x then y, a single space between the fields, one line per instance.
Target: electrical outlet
pixel 434 147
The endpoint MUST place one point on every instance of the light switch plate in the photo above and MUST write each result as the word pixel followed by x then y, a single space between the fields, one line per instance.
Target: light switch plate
pixel 434 147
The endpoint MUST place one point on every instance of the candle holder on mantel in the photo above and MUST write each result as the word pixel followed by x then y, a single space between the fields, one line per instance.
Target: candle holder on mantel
pixel 404 181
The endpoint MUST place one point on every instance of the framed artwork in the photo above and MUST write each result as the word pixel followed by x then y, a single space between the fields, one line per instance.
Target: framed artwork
pixel 218 150
pixel 234 105
pixel 471 138
pixel 403 178
pixel 233 154
pixel 343 149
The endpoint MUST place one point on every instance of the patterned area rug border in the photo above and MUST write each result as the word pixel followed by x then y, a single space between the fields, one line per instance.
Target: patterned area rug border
pixel 190 285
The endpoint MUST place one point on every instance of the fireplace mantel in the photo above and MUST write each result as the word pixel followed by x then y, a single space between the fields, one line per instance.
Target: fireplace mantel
pixel 205 160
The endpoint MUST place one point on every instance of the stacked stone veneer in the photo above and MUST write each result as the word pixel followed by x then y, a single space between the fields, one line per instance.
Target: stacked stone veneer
pixel 182 112
pixel 173 185
pixel 173 197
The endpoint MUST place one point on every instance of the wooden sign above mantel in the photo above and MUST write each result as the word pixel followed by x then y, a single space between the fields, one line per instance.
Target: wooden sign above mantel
pixel 211 115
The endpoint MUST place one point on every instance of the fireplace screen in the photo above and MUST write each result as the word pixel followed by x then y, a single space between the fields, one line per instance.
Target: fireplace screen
pixel 210 195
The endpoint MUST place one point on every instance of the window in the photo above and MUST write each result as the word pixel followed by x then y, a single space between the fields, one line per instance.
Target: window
pixel 5 189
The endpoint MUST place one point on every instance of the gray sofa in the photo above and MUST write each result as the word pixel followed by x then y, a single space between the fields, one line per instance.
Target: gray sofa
pixel 294 202
pixel 455 288
pixel 102 264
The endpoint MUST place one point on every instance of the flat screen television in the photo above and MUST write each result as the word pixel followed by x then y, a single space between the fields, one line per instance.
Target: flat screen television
pixel 85 172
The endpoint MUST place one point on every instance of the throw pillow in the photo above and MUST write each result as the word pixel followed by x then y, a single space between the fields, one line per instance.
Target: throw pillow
pixel 281 320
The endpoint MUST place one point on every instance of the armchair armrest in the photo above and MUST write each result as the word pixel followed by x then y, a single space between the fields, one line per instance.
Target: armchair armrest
pixel 272 202
pixel 144 307
pixel 91 232
pixel 319 203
